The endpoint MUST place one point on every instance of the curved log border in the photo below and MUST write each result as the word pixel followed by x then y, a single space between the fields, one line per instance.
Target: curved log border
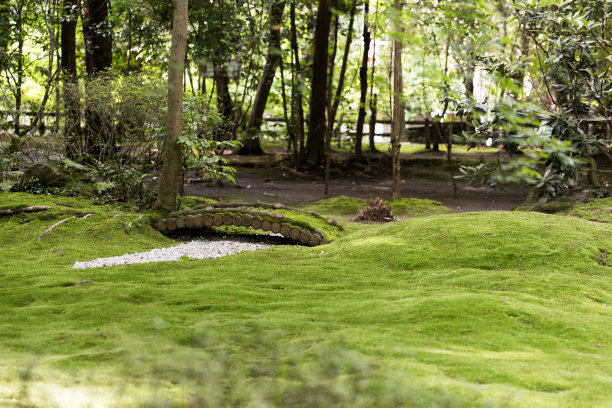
pixel 209 217
pixel 266 206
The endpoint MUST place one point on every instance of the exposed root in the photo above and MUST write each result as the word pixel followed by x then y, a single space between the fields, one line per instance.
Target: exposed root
pixel 33 208
pixel 54 226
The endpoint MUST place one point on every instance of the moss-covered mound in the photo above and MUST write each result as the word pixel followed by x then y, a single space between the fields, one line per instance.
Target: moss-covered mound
pixel 496 309
pixel 349 208
pixel 599 210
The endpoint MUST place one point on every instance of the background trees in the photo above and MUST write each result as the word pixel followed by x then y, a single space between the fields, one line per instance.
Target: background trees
pixel 527 76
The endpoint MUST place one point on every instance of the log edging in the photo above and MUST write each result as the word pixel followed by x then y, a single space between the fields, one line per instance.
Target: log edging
pixel 210 217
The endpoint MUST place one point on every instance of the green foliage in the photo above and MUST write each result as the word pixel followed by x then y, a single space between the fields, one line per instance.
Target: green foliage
pixel 125 182
pixel 571 64
pixel 200 150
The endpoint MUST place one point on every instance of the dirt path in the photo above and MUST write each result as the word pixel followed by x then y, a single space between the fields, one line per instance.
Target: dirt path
pixel 283 187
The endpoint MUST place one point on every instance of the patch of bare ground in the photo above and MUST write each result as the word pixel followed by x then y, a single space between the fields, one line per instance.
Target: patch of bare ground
pixel 264 178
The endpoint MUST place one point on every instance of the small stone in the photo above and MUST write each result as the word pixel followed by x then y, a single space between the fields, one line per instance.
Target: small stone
pixel 433 274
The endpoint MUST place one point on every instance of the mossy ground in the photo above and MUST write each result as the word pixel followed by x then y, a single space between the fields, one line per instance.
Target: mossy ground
pixel 488 309
pixel 599 210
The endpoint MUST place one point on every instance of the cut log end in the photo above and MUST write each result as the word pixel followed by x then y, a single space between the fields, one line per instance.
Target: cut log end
pixel 189 222
pixel 285 230
pixel 218 220
pixel 208 221
pixel 294 234
pixel 171 224
pixel 266 225
pixel 161 226
pixel 305 237
pixel 256 223
pixel 314 240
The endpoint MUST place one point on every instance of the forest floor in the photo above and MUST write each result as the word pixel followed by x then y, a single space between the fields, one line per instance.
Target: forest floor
pixel 425 175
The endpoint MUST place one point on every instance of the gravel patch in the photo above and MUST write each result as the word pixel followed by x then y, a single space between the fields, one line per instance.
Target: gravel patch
pixel 193 249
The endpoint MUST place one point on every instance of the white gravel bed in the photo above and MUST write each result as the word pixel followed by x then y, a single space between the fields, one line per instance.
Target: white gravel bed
pixel 193 249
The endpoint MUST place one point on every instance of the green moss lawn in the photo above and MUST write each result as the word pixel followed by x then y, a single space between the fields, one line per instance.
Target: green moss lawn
pixel 496 309
pixel 346 208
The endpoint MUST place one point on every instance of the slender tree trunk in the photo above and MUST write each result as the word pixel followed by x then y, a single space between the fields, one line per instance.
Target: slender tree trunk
pixel 427 132
pixel 98 36
pixel 347 49
pixel 363 79
pixel 97 33
pixel 399 123
pixel 72 117
pixel 51 23
pixel 166 198
pixel 19 82
pixel 372 133
pixel 5 32
pixel 288 126
pixel 251 142
pixel 328 103
pixel 296 93
pixel 202 79
pixel 373 97
pixel 225 106
pixel 318 96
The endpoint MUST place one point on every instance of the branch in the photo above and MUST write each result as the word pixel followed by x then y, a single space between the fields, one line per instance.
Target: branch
pixel 51 228
pixel 34 208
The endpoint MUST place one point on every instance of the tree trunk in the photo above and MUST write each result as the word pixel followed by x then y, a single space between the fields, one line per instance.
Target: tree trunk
pixel 19 82
pixel 72 117
pixel 399 123
pixel 5 33
pixel 363 79
pixel 331 64
pixel 347 48
pixel 97 32
pixel 373 102
pixel 297 105
pixel 318 96
pixel 166 197
pixel 290 128
pixel 251 141
pixel 373 97
pixel 225 106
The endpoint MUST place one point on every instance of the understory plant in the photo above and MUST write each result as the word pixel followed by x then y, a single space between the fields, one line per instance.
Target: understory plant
pixel 558 132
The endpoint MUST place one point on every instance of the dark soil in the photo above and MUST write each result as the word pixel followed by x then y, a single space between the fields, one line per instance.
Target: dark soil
pixel 261 178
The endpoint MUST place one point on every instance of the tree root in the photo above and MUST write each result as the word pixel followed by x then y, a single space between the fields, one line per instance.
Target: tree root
pixel 33 208
pixel 51 228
